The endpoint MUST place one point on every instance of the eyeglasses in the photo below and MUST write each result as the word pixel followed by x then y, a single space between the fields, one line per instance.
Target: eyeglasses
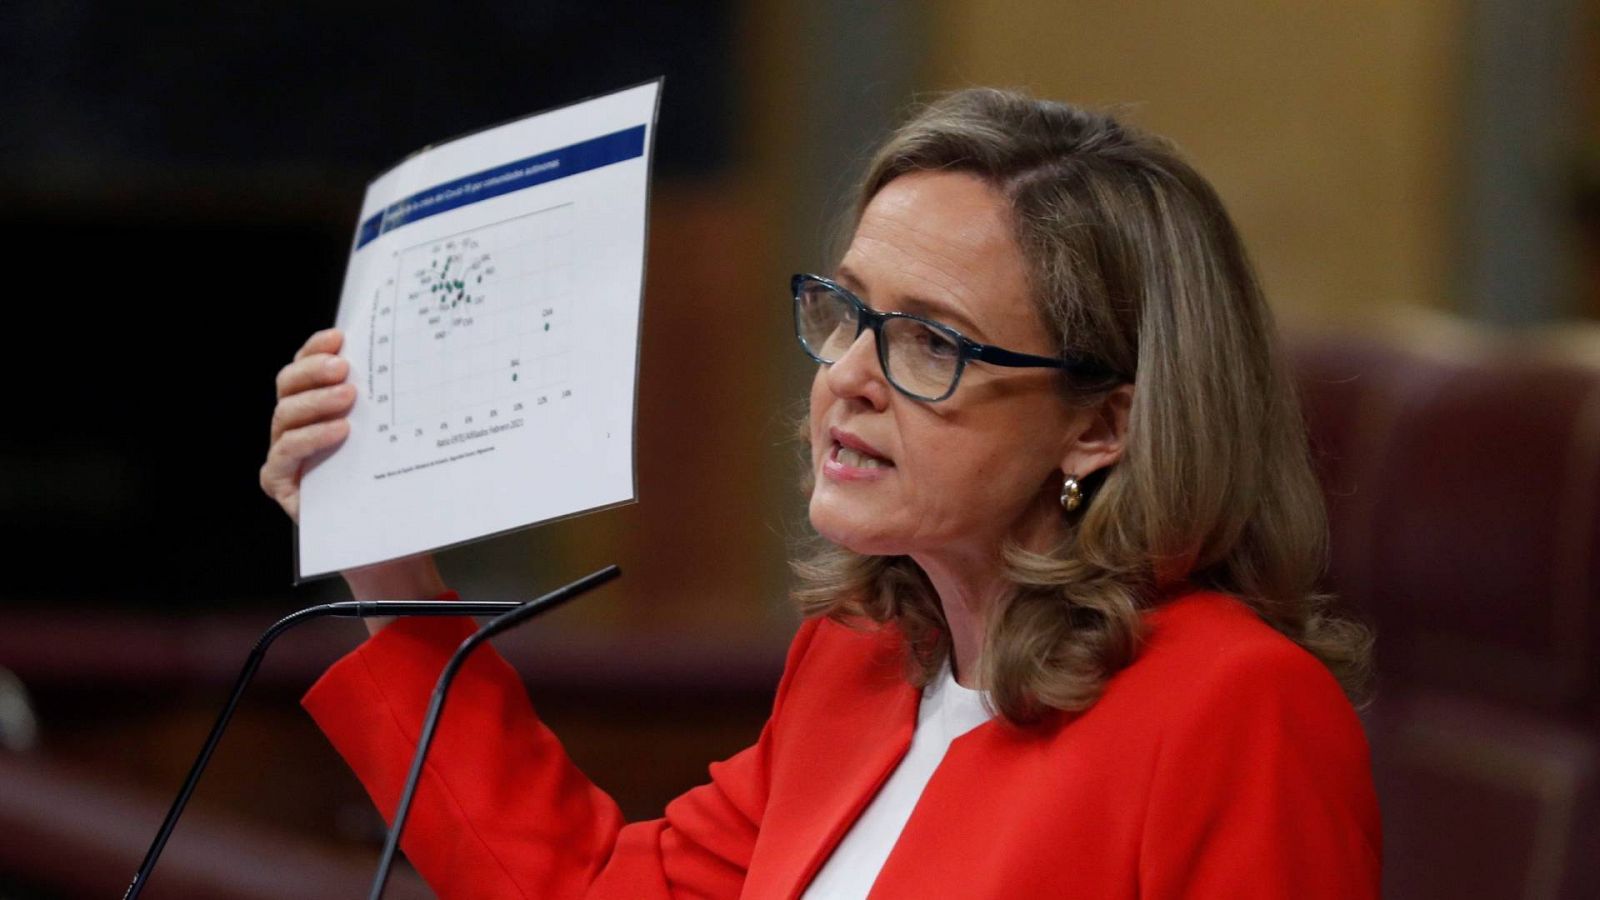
pixel 922 358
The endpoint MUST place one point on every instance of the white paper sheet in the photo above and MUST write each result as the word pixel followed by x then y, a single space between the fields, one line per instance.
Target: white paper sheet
pixel 491 316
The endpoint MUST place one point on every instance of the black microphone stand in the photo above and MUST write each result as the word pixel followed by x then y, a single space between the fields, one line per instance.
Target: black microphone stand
pixel 347 609
pixel 442 688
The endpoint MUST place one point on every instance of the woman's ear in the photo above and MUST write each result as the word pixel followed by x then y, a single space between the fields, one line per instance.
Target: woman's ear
pixel 1104 434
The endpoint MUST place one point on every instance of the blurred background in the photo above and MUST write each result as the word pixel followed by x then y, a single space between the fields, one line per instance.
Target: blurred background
pixel 1419 183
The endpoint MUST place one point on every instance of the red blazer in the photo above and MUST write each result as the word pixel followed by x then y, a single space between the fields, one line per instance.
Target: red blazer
pixel 1225 762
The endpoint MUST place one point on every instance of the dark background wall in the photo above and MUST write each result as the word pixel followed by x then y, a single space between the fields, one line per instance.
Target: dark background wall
pixel 178 183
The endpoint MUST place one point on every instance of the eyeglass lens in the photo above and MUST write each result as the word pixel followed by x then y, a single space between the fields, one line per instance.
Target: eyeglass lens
pixel 919 359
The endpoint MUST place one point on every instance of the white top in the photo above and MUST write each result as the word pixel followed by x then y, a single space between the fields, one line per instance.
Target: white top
pixel 946 712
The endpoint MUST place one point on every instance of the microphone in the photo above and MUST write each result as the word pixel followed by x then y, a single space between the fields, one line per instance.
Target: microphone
pixel 346 609
pixel 441 689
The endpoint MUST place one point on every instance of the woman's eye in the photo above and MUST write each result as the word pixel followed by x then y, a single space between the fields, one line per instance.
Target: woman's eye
pixel 938 345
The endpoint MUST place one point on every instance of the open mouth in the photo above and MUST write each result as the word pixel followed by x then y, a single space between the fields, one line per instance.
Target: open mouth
pixel 856 459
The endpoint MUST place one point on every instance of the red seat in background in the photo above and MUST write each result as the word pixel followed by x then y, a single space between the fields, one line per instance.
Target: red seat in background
pixel 1462 469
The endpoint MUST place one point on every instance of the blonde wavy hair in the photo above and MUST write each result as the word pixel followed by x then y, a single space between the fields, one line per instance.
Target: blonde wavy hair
pixel 1132 261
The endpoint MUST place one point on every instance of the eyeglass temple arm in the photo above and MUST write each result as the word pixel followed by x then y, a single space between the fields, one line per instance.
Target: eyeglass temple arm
pixel 1074 365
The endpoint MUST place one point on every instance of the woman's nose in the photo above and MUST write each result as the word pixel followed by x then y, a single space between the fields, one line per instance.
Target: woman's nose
pixel 857 372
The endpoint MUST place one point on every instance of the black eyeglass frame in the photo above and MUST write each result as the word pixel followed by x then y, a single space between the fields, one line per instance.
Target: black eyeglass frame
pixel 969 349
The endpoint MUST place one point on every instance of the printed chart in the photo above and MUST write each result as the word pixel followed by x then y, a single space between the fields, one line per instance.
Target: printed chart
pixel 475 327
pixel 491 315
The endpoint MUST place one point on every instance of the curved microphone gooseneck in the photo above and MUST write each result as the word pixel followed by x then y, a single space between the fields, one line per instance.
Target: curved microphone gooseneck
pixel 348 609
pixel 441 689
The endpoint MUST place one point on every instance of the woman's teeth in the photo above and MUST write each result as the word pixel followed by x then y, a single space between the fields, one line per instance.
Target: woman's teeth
pixel 857 459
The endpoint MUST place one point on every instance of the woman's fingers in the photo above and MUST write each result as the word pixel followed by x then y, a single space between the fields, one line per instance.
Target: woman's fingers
pixel 294 447
pixel 310 416
pixel 328 340
pixel 314 405
pixel 315 370
pixel 280 474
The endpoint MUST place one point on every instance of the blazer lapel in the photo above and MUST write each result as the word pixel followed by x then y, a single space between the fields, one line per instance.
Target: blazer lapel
pixel 879 745
pixel 851 727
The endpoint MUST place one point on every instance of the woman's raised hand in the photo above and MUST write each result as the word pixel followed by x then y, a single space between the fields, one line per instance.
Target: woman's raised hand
pixel 312 414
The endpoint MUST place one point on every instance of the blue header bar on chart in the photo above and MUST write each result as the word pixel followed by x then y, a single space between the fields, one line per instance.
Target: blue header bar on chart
pixel 583 156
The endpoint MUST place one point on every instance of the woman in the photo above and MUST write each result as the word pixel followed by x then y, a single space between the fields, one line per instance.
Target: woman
pixel 1061 637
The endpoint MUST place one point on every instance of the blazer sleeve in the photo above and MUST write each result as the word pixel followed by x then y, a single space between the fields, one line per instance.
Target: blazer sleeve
pixel 1263 788
pixel 501 810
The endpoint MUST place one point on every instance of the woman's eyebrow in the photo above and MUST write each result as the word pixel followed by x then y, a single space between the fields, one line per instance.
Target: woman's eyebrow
pixel 921 306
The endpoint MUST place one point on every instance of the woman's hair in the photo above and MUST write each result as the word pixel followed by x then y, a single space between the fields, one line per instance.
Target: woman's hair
pixel 1132 261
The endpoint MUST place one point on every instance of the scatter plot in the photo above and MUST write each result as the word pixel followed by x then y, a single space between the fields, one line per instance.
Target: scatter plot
pixel 475 327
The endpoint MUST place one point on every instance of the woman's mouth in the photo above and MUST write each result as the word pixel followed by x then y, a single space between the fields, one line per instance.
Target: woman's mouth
pixel 849 464
pixel 857 459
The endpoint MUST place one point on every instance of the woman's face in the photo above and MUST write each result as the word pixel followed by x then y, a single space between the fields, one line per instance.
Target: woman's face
pixel 983 464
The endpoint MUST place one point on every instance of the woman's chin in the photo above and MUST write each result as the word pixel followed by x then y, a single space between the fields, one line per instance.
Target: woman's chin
pixel 851 532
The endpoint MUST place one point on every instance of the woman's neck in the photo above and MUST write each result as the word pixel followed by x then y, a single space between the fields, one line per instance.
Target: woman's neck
pixel 966 593
pixel 971 581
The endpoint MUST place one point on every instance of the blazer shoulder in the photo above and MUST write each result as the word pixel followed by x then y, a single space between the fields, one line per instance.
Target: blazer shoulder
pixel 1208 646
pixel 1255 746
